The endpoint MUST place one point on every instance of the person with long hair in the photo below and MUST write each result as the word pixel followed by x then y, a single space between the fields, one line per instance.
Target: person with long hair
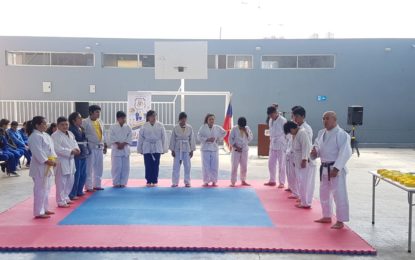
pixel 66 148
pixel 182 146
pixel 75 126
pixel 239 139
pixel 42 165
pixel 152 144
pixel 209 135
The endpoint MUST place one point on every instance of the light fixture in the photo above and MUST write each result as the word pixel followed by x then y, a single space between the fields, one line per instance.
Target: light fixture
pixel 387 49
pixel 87 48
pixel 257 48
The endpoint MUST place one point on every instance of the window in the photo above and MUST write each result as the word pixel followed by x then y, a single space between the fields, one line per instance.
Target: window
pixel 211 62
pixel 221 61
pixel 50 59
pixel 147 61
pixel 120 60
pixel 239 62
pixel 72 59
pixel 316 61
pixel 279 62
pixel 28 58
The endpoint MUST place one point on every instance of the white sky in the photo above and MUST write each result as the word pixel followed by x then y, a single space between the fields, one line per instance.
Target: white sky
pixel 202 19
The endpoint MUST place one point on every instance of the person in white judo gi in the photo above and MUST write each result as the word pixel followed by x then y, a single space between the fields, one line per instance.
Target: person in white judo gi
pixel 182 146
pixel 299 115
pixel 152 144
pixel 333 147
pixel 277 148
pixel 94 132
pixel 41 166
pixel 120 140
pixel 301 148
pixel 239 139
pixel 209 135
pixel 66 148
pixel 289 166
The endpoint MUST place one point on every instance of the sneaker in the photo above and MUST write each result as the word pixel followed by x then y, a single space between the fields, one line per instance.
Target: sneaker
pixel 13 174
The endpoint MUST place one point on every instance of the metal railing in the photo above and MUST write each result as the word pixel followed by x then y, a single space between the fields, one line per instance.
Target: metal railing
pixel 23 110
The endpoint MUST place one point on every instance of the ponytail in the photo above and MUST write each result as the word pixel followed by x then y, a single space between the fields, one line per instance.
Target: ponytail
pixel 31 126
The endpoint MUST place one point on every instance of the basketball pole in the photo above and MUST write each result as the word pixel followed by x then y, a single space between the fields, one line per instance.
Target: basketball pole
pixel 182 90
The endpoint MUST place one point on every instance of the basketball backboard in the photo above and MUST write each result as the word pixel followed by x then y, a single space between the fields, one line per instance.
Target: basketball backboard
pixel 181 60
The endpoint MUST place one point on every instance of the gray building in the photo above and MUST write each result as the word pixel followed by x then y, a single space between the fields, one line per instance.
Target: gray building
pixel 330 74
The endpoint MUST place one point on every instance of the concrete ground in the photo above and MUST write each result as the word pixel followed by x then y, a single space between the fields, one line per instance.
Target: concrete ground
pixel 388 236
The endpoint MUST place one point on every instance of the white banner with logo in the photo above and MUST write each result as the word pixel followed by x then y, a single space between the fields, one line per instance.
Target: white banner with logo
pixel 139 102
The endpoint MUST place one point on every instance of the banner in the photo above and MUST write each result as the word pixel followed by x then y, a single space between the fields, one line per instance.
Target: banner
pixel 139 102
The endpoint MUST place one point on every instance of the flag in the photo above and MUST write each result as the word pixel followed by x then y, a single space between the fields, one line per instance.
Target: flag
pixel 227 125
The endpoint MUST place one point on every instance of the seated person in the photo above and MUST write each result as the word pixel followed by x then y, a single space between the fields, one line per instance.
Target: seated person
pixel 8 157
pixel 10 145
pixel 17 138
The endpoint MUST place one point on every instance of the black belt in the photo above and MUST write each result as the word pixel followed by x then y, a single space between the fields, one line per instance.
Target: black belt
pixel 325 165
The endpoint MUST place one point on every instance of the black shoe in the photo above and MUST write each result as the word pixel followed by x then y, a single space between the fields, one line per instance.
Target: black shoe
pixel 3 168
pixel 13 174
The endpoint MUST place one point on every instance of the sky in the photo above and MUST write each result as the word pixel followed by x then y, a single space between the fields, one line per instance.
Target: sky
pixel 209 19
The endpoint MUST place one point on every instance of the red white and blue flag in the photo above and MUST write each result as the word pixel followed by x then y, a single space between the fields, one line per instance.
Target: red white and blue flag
pixel 227 125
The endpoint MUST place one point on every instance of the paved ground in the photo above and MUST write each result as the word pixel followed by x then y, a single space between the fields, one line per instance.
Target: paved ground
pixel 388 236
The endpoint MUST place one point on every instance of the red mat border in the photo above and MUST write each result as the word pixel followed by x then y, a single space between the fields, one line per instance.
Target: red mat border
pixel 262 192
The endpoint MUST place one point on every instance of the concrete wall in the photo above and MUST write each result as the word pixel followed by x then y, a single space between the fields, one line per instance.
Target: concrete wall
pixel 365 74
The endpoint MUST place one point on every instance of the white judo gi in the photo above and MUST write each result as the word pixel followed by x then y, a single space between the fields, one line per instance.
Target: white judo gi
pixel 289 167
pixel 301 147
pixel 210 151
pixel 41 146
pixel 241 140
pixel 120 158
pixel 277 149
pixel 64 144
pixel 333 148
pixel 95 160
pixel 312 164
pixel 182 142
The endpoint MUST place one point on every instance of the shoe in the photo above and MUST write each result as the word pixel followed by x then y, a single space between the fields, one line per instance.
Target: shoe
pixel 270 184
pixel 63 206
pixel 44 216
pixel 81 194
pixel 214 184
pixel 69 202
pixel 148 185
pixel 174 185
pixel 3 168
pixel 47 212
pixel 281 186
pixel 205 185
pixel 13 174
pixel 187 185
pixel 244 183
pixel 98 188
pixel 288 190
pixel 75 198
pixel 232 185
pixel 90 190
pixel 122 186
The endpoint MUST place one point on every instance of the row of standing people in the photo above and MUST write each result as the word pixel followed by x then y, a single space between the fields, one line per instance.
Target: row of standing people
pixel 292 149
pixel 74 154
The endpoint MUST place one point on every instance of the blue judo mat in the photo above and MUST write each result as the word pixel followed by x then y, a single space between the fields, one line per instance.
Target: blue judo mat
pixel 171 206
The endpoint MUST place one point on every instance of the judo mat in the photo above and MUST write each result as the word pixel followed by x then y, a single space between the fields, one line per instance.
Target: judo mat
pixel 241 219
